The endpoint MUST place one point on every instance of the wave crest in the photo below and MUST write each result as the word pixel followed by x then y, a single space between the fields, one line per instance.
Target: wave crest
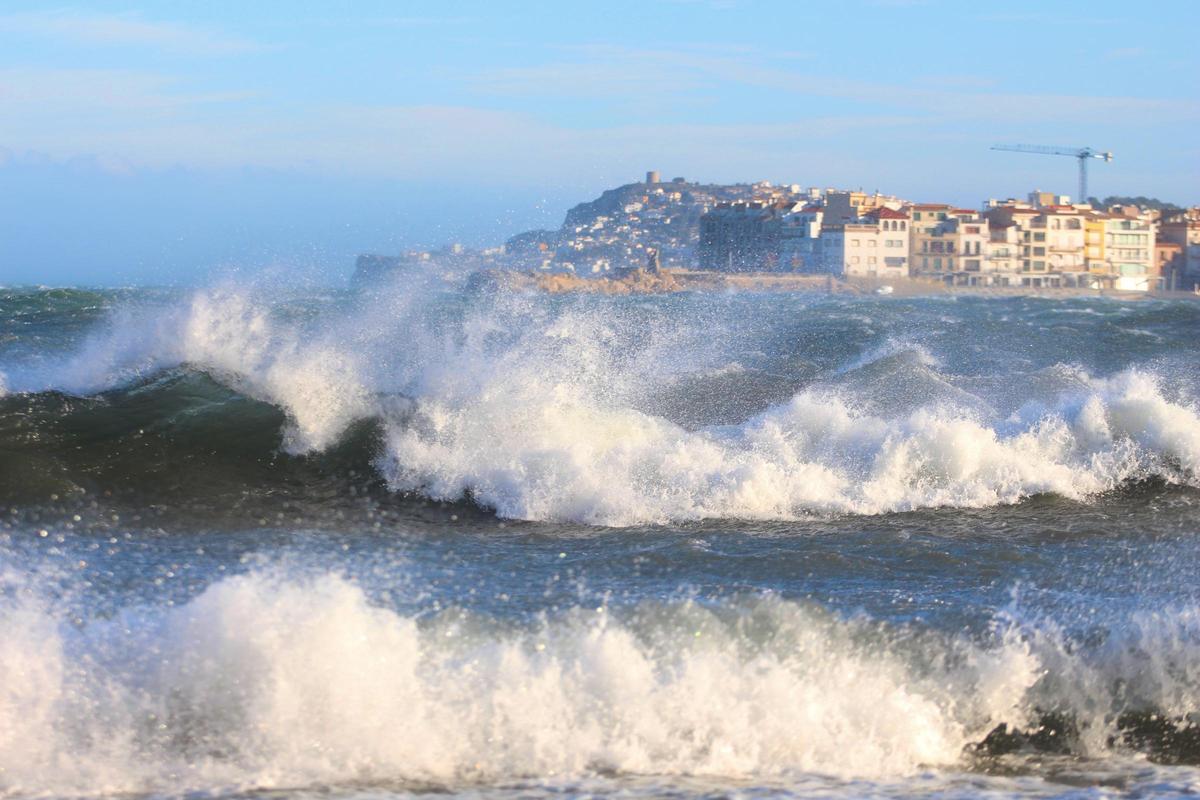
pixel 535 457
pixel 268 680
pixel 586 410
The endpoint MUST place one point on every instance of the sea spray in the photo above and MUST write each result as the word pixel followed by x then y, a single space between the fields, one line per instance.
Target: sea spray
pixel 269 680
pixel 531 453
pixel 576 409
pixel 222 570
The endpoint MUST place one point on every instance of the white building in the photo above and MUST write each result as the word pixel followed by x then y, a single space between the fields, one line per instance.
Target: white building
pixel 873 246
pixel 1129 253
pixel 799 240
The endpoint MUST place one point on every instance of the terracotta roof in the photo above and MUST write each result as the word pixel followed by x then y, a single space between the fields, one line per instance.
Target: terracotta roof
pixel 883 212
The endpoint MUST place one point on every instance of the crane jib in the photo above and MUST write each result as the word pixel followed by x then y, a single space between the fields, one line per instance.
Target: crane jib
pixel 1080 153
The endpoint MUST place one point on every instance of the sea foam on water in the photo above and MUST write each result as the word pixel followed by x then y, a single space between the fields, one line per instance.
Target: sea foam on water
pixel 539 410
pixel 584 410
pixel 266 679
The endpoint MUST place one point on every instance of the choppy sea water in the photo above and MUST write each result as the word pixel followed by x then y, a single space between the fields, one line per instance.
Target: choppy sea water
pixel 412 541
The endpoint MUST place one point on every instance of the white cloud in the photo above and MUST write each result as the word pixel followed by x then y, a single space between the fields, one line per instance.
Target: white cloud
pixel 124 30
pixel 673 77
pixel 127 117
pixel 144 119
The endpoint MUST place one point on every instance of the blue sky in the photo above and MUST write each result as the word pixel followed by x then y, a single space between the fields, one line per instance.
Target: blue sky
pixel 165 142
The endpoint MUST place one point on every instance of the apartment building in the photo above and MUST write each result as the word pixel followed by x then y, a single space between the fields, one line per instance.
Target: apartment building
pixel 1129 253
pixel 1044 243
pixel 951 245
pixel 1002 255
pixel 1094 253
pixel 799 242
pixel 871 246
pixel 894 233
pixel 1057 236
pixel 924 217
pixel 742 237
pixel 1183 229
pixel 841 207
pixel 1170 260
pixel 1074 246
pixel 1049 243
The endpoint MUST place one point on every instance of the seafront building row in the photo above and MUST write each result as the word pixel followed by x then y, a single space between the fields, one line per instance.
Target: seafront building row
pixel 1044 241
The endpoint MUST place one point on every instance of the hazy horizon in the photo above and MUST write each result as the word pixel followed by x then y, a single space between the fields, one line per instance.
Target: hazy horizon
pixel 160 144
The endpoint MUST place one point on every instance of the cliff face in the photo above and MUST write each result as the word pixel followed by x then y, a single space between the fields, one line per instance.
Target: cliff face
pixel 610 203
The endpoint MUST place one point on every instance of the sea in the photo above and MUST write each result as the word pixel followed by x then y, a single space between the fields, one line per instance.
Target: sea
pixel 419 539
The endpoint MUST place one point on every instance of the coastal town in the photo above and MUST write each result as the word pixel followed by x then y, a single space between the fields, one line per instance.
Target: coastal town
pixel 1042 241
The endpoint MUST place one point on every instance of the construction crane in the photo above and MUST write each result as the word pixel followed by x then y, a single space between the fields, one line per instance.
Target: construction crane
pixel 1084 154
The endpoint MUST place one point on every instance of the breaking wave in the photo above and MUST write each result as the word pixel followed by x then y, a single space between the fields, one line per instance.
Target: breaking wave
pixel 603 411
pixel 265 680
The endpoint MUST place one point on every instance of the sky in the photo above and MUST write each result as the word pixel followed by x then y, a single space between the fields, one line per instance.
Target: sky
pixel 166 143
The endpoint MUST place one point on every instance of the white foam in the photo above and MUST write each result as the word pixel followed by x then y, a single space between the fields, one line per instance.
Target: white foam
pixel 541 452
pixel 530 405
pixel 268 681
pixel 893 348
pixel 232 333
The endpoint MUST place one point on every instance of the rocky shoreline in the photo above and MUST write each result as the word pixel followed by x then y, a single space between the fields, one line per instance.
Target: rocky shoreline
pixel 668 281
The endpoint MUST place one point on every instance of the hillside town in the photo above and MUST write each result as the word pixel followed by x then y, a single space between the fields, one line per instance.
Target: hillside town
pixel 1043 241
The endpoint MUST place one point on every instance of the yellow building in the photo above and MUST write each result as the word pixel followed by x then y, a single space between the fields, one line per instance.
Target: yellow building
pixel 1094 230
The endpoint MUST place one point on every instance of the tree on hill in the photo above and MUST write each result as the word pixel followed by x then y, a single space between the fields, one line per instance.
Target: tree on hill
pixel 1151 203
